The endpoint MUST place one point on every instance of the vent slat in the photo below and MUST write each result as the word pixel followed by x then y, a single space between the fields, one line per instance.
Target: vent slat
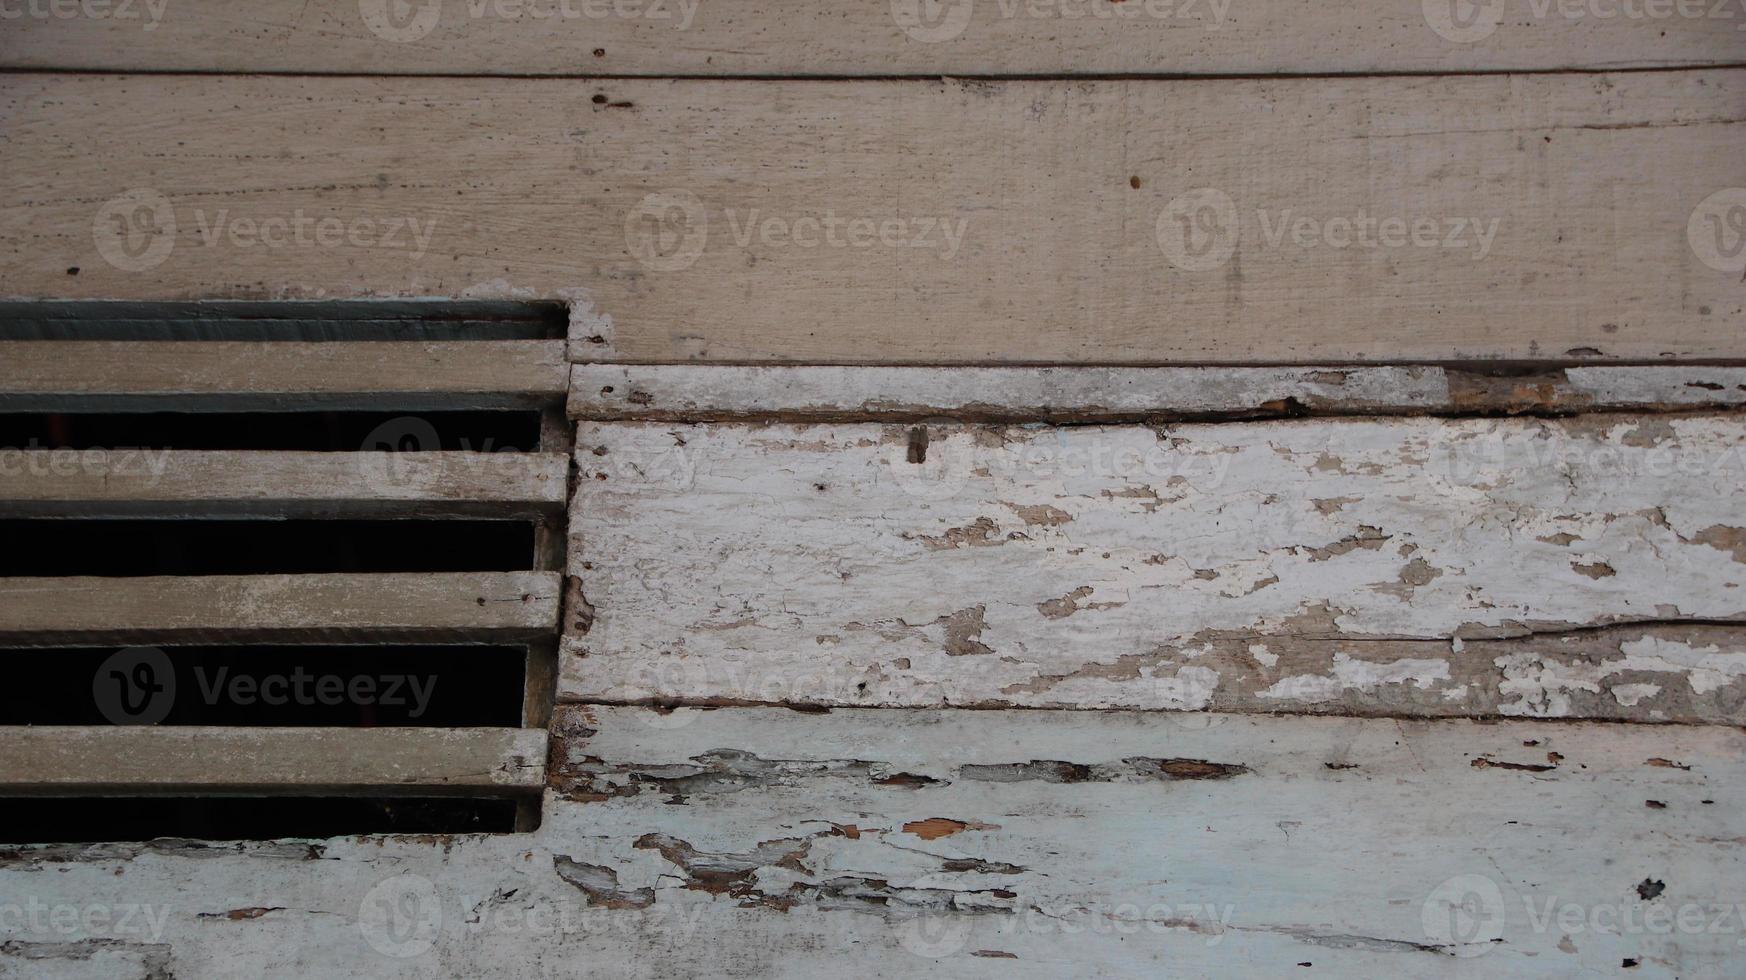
pixel 69 761
pixel 170 483
pixel 456 607
pixel 71 375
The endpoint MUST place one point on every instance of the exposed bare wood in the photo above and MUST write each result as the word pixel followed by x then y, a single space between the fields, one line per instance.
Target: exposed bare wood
pixel 61 376
pixel 498 606
pixel 866 37
pixel 1319 565
pixel 1122 221
pixel 170 483
pixel 1092 844
pixel 705 392
pixel 315 761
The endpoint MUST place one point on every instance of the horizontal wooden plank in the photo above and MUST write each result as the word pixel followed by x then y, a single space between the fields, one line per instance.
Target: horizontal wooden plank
pixel 58 761
pixel 866 37
pixel 991 844
pixel 1327 219
pixel 279 608
pixel 1347 565
pixel 62 376
pixel 696 392
pixel 172 483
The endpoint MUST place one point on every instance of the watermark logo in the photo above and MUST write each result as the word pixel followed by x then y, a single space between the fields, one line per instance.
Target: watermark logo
pixel 932 21
pixel 135 686
pixel 1717 230
pixel 934 461
pixel 667 230
pixel 136 231
pixel 1464 913
pixel 400 21
pixel 382 463
pixel 1463 21
pixel 935 935
pixel 1198 230
pixel 151 11
pixel 401 916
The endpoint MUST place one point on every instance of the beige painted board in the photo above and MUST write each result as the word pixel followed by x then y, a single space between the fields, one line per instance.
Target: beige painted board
pixel 1342 565
pixel 233 376
pixel 171 483
pixel 1120 221
pixel 868 37
pixel 698 392
pixel 50 760
pixel 814 844
pixel 282 608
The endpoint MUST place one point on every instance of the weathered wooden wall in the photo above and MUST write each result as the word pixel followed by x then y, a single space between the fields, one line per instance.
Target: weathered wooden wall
pixel 1166 612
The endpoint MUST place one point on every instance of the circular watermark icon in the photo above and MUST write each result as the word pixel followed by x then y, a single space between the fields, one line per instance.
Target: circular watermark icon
pixel 383 466
pixel 932 21
pixel 1198 229
pixel 400 21
pixel 1463 21
pixel 667 230
pixel 135 686
pixel 1466 913
pixel 1717 230
pixel 135 231
pixel 934 935
pixel 401 916
pixel 934 461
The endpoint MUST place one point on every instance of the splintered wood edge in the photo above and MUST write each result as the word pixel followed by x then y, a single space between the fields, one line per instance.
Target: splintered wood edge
pixel 344 761
pixel 686 393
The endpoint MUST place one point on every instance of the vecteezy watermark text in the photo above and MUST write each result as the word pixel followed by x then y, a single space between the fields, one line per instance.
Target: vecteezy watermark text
pixel 1200 230
pixel 1472 21
pixel 151 12
pixel 668 231
pixel 401 21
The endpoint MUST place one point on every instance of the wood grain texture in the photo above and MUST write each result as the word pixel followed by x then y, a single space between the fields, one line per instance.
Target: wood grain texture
pixel 1087 849
pixel 317 761
pixel 1048 225
pixel 279 608
pixel 688 392
pixel 1344 565
pixel 869 37
pixel 218 376
pixel 171 483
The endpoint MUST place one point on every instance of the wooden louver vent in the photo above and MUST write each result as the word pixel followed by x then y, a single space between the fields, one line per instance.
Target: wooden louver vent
pixel 278 569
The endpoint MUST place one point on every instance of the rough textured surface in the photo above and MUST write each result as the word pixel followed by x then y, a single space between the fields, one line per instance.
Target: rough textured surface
pixel 868 37
pixel 61 375
pixel 1049 228
pixel 114 761
pixel 764 842
pixel 164 482
pixel 1338 565
pixel 499 606
pixel 685 392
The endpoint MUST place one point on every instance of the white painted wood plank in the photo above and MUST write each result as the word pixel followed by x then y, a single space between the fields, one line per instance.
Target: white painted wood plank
pixel 238 376
pixel 163 482
pixel 866 37
pixel 698 392
pixel 1528 245
pixel 1322 565
pixel 68 761
pixel 279 608
pixel 1341 844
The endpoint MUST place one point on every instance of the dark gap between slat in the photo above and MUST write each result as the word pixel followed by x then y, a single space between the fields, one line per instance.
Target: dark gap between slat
pixel 308 321
pixel 125 548
pixel 396 686
pixel 79 820
pixel 505 431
